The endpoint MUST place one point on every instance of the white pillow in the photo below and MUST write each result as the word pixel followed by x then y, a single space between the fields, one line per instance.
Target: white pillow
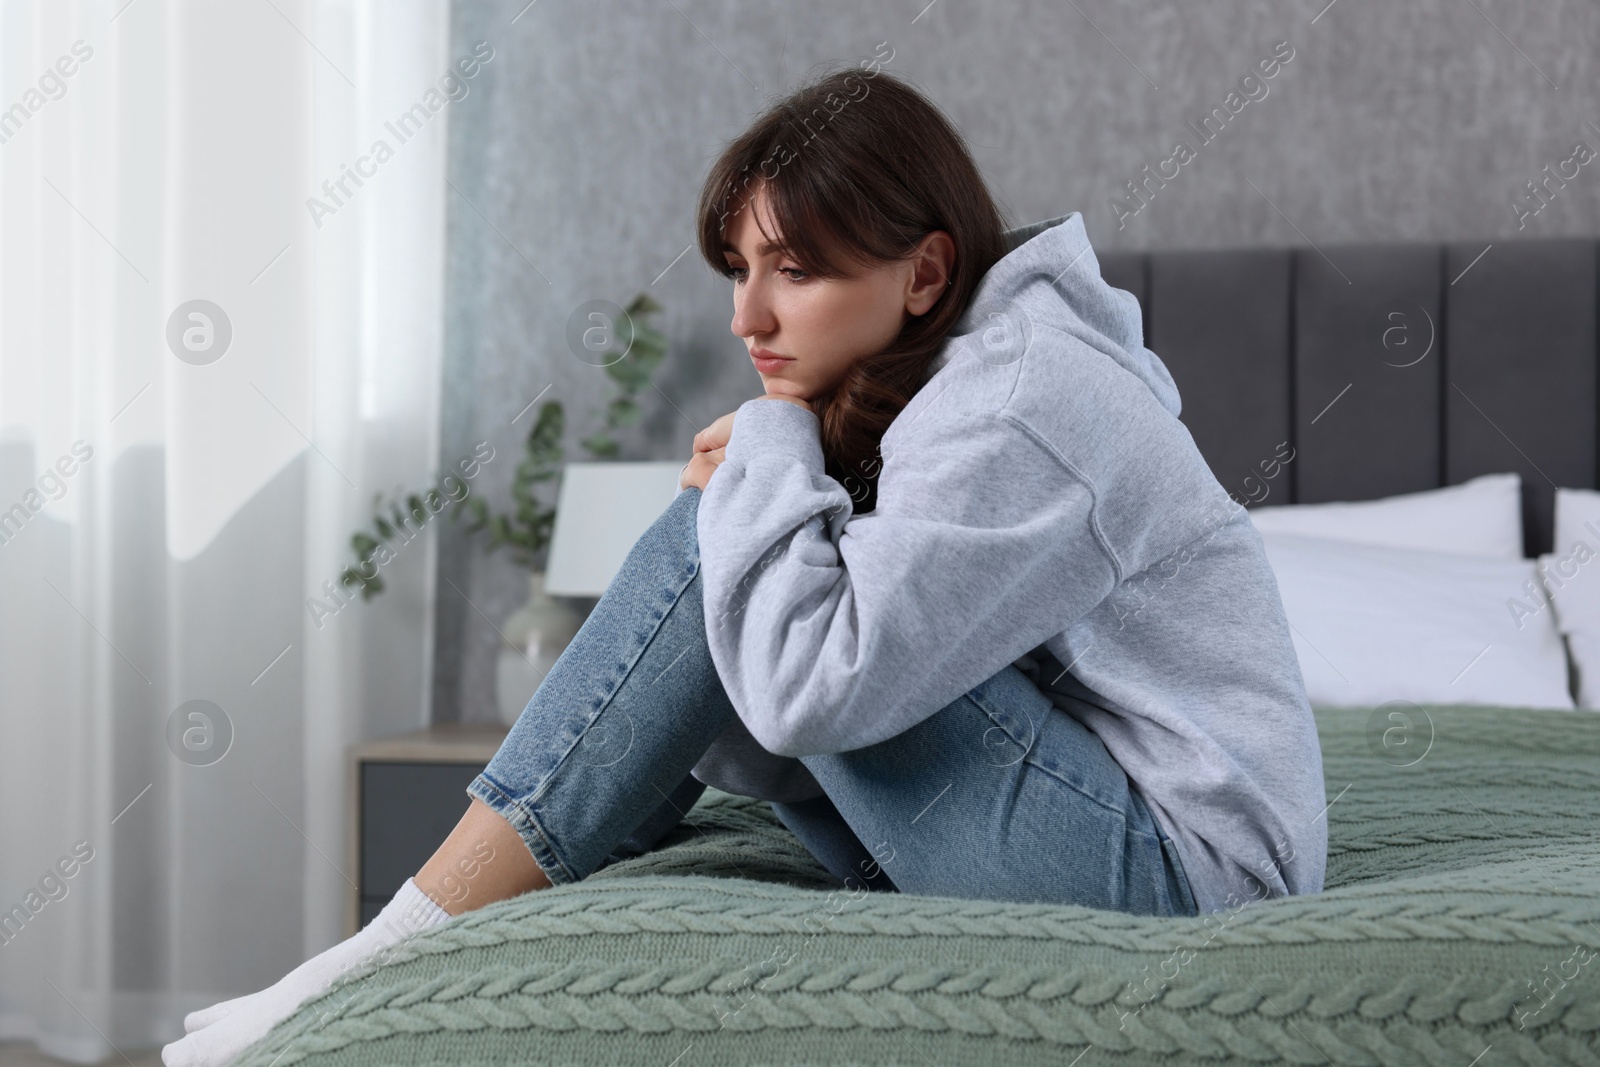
pixel 1571 579
pixel 1479 517
pixel 1373 624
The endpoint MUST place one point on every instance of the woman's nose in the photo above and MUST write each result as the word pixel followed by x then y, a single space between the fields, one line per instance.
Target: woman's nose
pixel 751 312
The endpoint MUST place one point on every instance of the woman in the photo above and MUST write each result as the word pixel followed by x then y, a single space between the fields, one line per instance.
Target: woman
pixel 957 594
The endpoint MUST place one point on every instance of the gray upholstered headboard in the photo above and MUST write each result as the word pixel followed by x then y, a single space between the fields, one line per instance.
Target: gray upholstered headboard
pixel 1388 368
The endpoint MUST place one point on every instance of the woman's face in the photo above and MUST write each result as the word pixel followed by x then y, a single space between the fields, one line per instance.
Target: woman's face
pixel 822 324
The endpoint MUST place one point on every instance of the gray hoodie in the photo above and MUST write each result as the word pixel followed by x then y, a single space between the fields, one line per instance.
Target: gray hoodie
pixel 1039 504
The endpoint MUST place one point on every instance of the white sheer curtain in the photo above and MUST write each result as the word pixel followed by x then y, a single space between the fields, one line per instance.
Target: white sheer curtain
pixel 167 506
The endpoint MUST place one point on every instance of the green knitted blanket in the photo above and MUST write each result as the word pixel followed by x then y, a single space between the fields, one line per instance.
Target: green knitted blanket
pixel 1458 926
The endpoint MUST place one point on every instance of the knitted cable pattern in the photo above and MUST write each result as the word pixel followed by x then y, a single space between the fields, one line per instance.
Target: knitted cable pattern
pixel 1461 891
pixel 1364 1019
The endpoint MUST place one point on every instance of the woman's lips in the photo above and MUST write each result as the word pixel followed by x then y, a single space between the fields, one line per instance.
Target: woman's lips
pixel 768 363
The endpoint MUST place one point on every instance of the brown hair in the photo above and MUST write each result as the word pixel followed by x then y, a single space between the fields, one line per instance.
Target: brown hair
pixel 880 167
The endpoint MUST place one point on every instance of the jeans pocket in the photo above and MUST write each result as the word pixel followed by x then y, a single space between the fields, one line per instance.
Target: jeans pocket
pixel 1063 845
pixel 1171 881
pixel 1180 894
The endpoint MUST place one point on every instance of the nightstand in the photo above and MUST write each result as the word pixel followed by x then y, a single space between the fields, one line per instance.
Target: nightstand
pixel 405 796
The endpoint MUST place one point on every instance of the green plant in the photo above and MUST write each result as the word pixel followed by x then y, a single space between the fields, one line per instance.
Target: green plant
pixel 631 370
pixel 528 527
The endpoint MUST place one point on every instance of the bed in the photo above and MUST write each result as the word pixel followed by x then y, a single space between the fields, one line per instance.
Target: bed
pixel 1461 913
pixel 1458 925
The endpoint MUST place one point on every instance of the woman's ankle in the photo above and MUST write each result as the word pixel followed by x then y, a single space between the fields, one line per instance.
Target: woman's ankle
pixel 483 861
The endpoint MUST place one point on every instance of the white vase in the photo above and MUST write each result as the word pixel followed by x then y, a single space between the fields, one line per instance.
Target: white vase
pixel 536 635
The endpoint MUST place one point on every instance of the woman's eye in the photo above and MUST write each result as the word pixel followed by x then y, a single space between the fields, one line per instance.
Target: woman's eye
pixel 795 274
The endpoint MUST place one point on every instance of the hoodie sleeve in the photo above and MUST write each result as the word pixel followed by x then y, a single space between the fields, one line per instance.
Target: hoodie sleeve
pixel 832 631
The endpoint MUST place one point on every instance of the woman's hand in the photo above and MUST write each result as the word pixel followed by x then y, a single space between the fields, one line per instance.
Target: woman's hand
pixel 711 445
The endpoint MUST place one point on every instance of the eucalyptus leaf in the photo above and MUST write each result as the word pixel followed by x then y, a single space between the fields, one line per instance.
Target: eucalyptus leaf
pixel 624 412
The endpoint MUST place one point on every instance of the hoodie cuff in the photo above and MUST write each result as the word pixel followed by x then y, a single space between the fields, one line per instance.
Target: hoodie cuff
pixel 765 426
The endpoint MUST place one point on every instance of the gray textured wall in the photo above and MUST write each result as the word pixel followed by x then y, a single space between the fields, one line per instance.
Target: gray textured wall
pixel 577 160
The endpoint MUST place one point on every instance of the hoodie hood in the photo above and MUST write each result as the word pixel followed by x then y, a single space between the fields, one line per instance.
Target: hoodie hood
pixel 1049 276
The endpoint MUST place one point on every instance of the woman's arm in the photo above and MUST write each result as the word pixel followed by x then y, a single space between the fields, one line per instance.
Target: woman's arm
pixel 710 446
pixel 832 631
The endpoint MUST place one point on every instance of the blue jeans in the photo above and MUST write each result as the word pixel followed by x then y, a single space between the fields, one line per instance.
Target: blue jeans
pixel 1000 795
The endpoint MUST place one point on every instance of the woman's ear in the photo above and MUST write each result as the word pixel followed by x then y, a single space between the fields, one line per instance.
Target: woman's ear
pixel 931 264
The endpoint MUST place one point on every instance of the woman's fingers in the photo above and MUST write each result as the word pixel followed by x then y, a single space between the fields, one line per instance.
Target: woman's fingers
pixel 716 435
pixel 698 471
pixel 710 445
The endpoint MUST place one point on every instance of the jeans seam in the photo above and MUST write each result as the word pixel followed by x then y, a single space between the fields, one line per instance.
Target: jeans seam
pixel 1091 798
pixel 997 715
pixel 607 698
pixel 983 704
pixel 541 844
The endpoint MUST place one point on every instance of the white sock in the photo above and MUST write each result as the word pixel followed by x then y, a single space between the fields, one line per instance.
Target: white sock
pixel 224 1030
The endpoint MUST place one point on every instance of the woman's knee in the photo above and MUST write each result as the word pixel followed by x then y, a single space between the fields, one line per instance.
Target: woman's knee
pixel 665 557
